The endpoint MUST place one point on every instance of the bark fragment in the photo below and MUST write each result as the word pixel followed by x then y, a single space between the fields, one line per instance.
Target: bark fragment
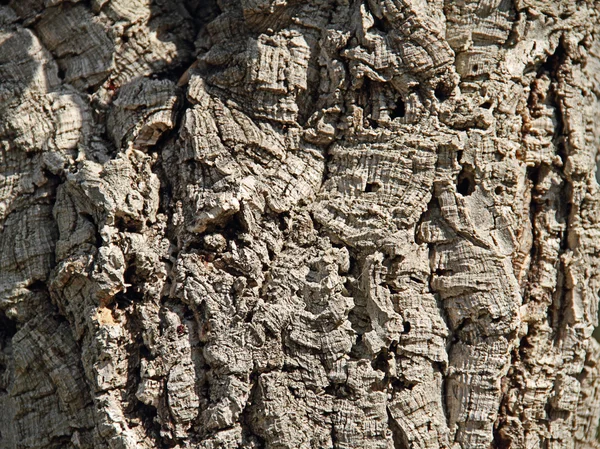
pixel 280 224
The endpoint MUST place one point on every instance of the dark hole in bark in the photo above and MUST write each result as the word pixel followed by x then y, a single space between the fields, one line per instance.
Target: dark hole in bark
pixel 132 294
pixel 123 302
pixel 533 175
pixel 442 92
pixel 283 221
pixel 459 154
pixel 464 187
pixel 129 275
pixel 124 38
pixel 378 24
pixel 501 438
pixel 127 224
pixel 381 361
pixel 188 314
pixel 400 109
pixel 554 61
pixel 398 384
pixel 372 187
pixel 37 286
pixel 148 415
pixel 337 391
pixel 465 184
pixel 61 73
pixel 8 327
pixel 475 67
pixel 406 329
pixel 145 352
pixel 487 105
pixel 499 190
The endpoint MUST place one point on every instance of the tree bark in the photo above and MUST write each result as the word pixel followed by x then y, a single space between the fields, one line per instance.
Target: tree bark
pixel 299 224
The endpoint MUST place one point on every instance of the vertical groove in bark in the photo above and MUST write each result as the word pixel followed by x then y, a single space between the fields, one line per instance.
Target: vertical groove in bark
pixel 282 224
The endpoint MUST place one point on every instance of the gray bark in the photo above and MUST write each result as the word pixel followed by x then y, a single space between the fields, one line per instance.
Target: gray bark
pixel 299 224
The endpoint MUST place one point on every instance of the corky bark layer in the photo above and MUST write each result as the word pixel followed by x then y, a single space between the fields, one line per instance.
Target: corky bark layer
pixel 299 224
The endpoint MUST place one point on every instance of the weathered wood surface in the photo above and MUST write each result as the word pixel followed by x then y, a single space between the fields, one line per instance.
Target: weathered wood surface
pixel 299 224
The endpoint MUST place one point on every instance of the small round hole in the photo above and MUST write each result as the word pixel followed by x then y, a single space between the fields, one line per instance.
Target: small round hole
pixel 475 67
pixel 406 326
pixel 498 190
pixel 372 187
pixel 400 109
pixel 378 24
pixel 465 184
pixel 441 92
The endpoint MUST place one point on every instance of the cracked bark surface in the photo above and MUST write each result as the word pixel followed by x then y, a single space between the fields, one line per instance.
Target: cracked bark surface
pixel 284 224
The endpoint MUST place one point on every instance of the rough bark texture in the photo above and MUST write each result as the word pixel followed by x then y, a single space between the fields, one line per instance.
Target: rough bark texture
pixel 299 224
